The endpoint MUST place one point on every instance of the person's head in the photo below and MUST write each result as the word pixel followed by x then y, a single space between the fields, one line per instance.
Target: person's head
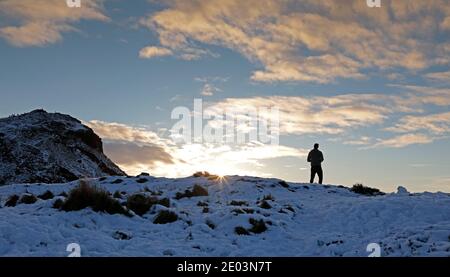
pixel 316 146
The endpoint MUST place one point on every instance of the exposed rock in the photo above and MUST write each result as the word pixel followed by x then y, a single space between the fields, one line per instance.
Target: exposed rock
pixel 41 147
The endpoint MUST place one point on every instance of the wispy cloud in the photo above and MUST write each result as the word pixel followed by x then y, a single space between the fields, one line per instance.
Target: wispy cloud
pixel 309 40
pixel 434 123
pixel 404 140
pixel 210 84
pixel 137 149
pixel 153 51
pixel 42 22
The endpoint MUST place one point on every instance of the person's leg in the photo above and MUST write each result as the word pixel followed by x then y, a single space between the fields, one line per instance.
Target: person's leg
pixel 320 173
pixel 313 174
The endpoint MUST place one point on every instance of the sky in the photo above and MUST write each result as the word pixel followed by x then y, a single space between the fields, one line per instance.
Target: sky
pixel 371 85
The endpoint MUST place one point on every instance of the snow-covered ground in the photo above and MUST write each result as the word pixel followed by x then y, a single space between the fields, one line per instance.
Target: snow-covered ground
pixel 302 220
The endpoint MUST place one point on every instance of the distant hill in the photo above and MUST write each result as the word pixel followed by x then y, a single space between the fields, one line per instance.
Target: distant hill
pixel 41 147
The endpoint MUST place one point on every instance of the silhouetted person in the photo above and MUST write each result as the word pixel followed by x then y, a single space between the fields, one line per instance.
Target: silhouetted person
pixel 315 157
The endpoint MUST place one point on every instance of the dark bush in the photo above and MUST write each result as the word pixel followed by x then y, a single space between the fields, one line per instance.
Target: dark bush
pixel 12 201
pixel 201 174
pixel 283 184
pixel 58 204
pixel 86 195
pixel 117 194
pixel 241 231
pixel 265 205
pixel 210 224
pixel 268 197
pixel 361 189
pixel 202 204
pixel 46 195
pixel 199 191
pixel 165 217
pixel 140 204
pixel 28 199
pixel 238 203
pixel 164 202
pixel 196 191
pixel 117 181
pixel 258 226
pixel 142 180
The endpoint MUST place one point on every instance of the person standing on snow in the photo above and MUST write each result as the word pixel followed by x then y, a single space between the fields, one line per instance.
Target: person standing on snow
pixel 315 157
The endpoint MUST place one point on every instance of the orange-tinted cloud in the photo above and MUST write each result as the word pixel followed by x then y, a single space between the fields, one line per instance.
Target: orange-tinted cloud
pixel 309 40
pixel 42 22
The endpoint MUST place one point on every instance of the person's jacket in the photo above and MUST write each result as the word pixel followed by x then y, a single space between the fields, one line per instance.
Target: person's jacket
pixel 315 157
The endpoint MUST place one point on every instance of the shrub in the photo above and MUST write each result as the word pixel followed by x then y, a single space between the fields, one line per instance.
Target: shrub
pixel 241 231
pixel 201 174
pixel 142 180
pixel 283 184
pixel 140 204
pixel 258 226
pixel 210 224
pixel 58 204
pixel 117 194
pixel 117 181
pixel 27 199
pixel 12 201
pixel 164 202
pixel 46 195
pixel 268 197
pixel 86 195
pixel 265 205
pixel 165 217
pixel 238 203
pixel 202 204
pixel 361 189
pixel 199 191
pixel 196 191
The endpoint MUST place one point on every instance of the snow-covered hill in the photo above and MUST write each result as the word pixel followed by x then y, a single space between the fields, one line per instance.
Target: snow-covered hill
pixel 50 148
pixel 272 218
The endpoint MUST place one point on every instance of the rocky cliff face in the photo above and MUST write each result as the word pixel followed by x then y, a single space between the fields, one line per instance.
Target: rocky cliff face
pixel 41 147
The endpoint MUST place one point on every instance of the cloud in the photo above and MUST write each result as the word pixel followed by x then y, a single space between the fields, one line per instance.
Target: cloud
pixel 438 124
pixel 129 154
pixel 309 40
pixel 121 132
pixel 137 150
pixel 404 140
pixel 364 140
pixel 439 76
pixel 153 51
pixel 313 115
pixel 42 22
pixel 210 86
pixel 209 90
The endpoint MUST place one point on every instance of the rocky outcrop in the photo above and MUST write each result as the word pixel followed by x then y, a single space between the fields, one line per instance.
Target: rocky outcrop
pixel 41 147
